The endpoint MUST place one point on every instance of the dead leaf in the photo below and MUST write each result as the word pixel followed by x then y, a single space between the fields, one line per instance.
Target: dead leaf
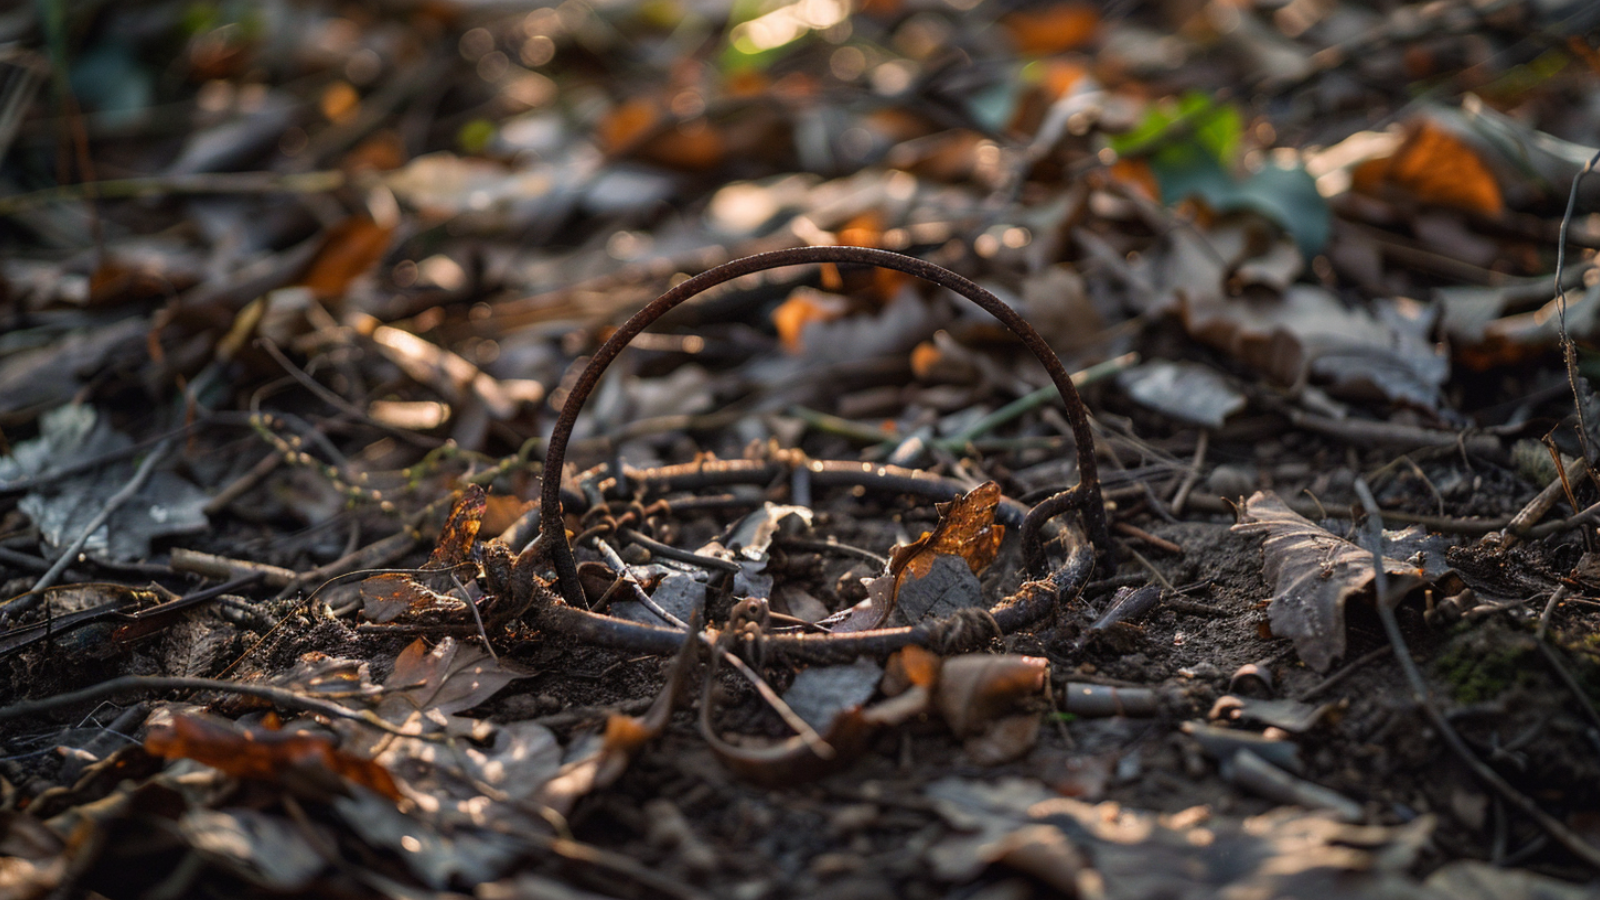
pixel 804 306
pixel 278 757
pixel 966 529
pixel 1052 29
pixel 976 688
pixel 349 250
pixel 387 596
pixel 1186 391
pixel 32 856
pixel 820 693
pixel 263 849
pixel 1004 740
pixel 1313 574
pixel 640 127
pixel 449 678
pixel 1433 166
pixel 1084 849
pixel 460 528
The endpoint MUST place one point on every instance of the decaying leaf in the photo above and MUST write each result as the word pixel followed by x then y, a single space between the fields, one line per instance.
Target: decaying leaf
pixel 262 849
pixel 1085 849
pixel 349 250
pixel 967 531
pixel 820 693
pixel 387 596
pixel 1434 166
pixel 449 678
pixel 1313 573
pixel 976 688
pixel 283 757
pixel 63 508
pixel 1187 391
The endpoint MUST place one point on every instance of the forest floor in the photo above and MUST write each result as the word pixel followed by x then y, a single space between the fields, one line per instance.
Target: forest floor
pixel 313 589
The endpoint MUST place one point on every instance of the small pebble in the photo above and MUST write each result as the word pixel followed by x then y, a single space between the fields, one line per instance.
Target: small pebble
pixel 1232 481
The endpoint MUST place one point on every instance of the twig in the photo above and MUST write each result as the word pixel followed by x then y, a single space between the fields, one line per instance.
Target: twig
pixel 1349 669
pixel 340 403
pixel 1446 525
pixel 1571 683
pixel 1139 534
pixel 1151 568
pixel 1035 399
pixel 1579 847
pixel 1569 352
pixel 169 185
pixel 134 485
pixel 1366 433
pixel 1542 502
pixel 128 684
pixel 185 560
pixel 1192 477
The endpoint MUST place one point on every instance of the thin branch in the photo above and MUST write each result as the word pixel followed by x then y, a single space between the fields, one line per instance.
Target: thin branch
pixel 139 684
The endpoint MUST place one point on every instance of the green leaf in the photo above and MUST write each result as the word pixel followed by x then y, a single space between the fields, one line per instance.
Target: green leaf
pixel 1285 196
pixel 1195 118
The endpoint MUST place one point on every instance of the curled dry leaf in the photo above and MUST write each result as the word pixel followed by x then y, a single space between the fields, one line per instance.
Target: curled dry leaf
pixel 976 688
pixel 1313 573
pixel 388 596
pixel 271 756
pixel 966 529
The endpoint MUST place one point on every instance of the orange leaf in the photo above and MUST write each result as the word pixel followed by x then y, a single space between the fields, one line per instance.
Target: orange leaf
pixel 911 667
pixel 627 123
pixel 1136 173
pixel 1053 29
pixel 966 529
pixel 460 529
pixel 1061 76
pixel 384 151
pixel 349 250
pixel 924 357
pixel 1434 166
pixel 637 127
pixel 271 756
pixel 503 510
pixel 803 307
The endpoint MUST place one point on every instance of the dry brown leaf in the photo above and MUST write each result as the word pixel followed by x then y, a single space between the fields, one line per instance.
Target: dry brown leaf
pixel 460 528
pixel 1313 573
pixel 272 756
pixel 1003 740
pixel 449 678
pixel 639 127
pixel 804 306
pixel 1052 29
pixel 387 596
pixel 349 250
pixel 1433 166
pixel 911 667
pixel 966 529
pixel 976 688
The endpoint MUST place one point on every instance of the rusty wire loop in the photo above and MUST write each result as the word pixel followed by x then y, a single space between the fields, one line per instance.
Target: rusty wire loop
pixel 1033 599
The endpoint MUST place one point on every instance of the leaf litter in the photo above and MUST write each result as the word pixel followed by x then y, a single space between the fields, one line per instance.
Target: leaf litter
pixel 435 215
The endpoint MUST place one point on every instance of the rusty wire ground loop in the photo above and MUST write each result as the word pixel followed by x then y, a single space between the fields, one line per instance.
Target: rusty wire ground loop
pixel 1031 602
